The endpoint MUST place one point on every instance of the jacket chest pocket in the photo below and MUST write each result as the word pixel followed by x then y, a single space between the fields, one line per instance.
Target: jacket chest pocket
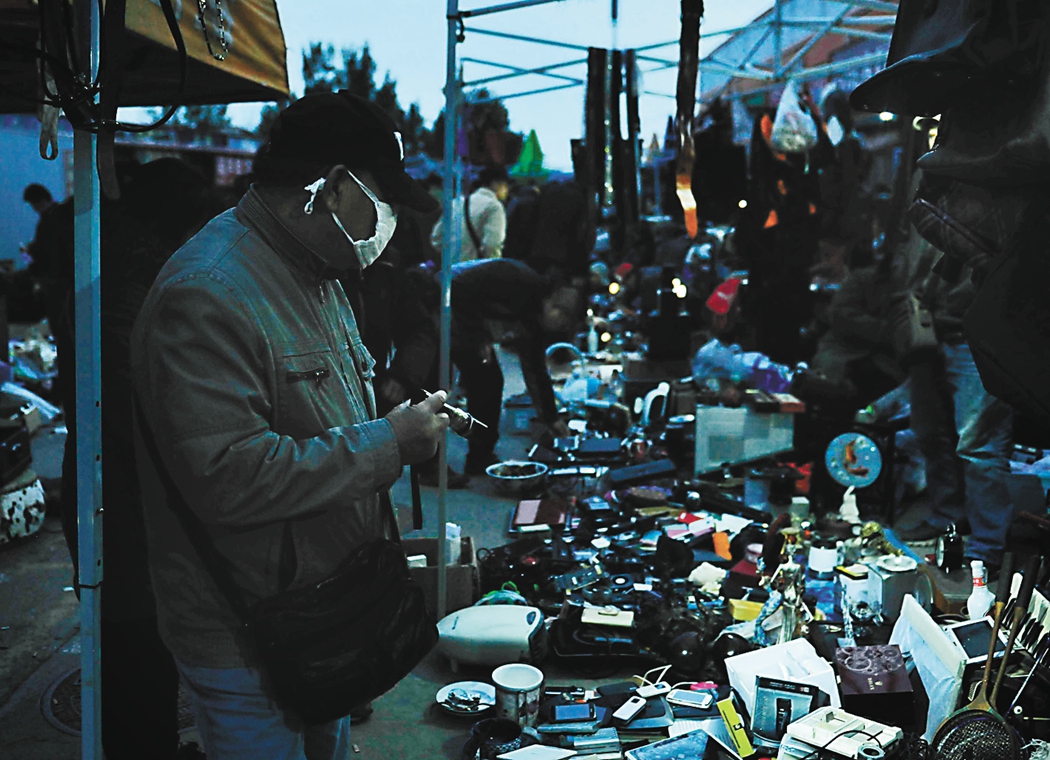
pixel 308 389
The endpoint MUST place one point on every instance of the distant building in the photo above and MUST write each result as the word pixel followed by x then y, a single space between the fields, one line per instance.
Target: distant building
pixel 221 156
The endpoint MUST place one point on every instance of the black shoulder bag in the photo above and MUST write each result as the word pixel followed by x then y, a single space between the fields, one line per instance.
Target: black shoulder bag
pixel 334 645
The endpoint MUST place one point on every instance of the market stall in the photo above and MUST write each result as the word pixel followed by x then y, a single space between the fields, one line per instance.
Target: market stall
pixel 165 57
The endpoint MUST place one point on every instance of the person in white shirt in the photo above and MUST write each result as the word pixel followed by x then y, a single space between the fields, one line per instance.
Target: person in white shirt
pixel 484 218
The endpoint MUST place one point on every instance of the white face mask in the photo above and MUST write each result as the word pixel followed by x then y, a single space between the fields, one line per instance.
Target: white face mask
pixel 386 222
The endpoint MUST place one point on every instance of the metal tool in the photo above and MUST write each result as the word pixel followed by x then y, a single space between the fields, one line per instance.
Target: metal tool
pixel 1040 653
pixel 462 423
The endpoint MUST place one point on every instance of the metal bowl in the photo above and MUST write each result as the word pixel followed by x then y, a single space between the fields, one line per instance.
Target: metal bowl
pixel 517 477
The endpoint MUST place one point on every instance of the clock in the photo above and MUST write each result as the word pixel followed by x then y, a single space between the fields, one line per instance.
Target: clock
pixel 853 459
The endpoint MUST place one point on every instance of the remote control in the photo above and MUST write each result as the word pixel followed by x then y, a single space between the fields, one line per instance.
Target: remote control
pixel 629 709
pixel 653 690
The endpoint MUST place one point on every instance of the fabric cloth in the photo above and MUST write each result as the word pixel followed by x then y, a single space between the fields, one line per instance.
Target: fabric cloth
pixel 397 320
pixel 253 379
pixel 489 220
pixel 238 721
pixel 965 435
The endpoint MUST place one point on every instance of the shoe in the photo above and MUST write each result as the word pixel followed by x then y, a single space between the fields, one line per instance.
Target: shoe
pixel 476 464
pixel 361 714
pixel 428 476
pixel 920 534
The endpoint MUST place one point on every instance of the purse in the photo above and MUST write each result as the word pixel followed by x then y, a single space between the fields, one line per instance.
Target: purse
pixel 334 645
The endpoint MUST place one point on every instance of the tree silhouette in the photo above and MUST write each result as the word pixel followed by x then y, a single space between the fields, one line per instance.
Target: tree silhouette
pixel 328 70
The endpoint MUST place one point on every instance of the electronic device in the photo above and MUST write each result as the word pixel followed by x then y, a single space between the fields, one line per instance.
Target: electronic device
pixel 701 700
pixel 690 745
pixel 835 732
pixel 573 712
pixel 640 473
pixel 493 635
pixel 973 637
pixel 736 727
pixel 653 689
pixel 602 740
pixel 629 709
pixel 607 616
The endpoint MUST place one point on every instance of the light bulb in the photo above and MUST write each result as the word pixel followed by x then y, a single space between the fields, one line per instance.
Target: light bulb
pixel 614 288
pixel 606 337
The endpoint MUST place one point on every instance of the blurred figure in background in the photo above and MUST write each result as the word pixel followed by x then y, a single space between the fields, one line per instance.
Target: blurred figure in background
pixel 484 218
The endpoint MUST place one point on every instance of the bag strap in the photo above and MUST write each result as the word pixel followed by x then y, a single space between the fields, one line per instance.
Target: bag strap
pixel 214 562
pixel 475 238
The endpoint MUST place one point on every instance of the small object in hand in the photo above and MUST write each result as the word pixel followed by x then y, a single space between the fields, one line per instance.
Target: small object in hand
pixel 462 423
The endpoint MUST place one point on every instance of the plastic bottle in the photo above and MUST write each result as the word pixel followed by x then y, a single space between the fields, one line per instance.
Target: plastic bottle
pixel 981 598
pixel 592 340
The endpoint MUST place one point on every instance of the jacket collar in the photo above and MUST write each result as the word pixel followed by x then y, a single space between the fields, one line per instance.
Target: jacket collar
pixel 255 214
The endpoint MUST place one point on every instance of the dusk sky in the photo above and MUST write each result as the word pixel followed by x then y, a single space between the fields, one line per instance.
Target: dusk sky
pixel 407 38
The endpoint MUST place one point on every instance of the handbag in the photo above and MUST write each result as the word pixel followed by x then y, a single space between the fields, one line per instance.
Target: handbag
pixel 334 645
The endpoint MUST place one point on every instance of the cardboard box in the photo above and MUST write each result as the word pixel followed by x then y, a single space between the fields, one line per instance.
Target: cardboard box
pixel 875 684
pixel 795 660
pixel 462 583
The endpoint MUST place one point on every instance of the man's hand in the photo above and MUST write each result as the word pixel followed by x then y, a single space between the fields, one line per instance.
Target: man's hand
pixel 419 428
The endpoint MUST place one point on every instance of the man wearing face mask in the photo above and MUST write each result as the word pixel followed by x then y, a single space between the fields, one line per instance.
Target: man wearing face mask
pixel 255 408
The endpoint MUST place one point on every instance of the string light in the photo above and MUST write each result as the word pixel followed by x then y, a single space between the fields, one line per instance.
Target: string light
pixel 614 288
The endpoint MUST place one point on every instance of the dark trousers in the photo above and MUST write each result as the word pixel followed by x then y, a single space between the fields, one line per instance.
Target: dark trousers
pixel 140 692
pixel 481 377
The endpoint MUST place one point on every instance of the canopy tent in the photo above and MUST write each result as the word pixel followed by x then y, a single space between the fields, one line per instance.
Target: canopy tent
pixel 253 69
pixel 530 162
pixel 801 40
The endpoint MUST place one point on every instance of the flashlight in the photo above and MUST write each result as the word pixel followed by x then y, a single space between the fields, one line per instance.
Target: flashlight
pixel 462 423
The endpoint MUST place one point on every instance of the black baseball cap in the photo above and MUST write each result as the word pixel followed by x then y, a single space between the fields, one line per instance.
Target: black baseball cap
pixel 340 128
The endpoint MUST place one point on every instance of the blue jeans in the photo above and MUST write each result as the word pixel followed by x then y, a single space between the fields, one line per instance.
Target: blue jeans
pixel 966 436
pixel 238 721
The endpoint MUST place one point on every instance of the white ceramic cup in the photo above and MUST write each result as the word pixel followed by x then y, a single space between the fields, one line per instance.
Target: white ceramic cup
pixel 518 691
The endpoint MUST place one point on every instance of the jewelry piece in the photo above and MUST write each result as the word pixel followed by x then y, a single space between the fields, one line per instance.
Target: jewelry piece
pixel 201 7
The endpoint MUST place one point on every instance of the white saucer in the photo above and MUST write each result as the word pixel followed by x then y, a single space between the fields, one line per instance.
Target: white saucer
pixel 485 692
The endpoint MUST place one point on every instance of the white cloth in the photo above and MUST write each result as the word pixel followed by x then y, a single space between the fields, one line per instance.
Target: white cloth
pixel 489 219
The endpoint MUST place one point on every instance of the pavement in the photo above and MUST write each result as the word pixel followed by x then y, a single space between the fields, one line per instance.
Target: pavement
pixel 39 626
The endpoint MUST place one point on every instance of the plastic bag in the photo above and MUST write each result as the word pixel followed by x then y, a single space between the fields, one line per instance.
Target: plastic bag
pixel 794 128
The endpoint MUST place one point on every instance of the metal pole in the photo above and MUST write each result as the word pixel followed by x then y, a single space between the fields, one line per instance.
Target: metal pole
pixel 88 407
pixel 778 39
pixel 447 253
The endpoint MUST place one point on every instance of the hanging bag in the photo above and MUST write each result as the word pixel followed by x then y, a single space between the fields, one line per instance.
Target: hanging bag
pixel 794 128
pixel 333 645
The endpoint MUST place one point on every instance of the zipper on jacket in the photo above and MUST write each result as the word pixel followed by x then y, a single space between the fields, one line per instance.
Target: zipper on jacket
pixel 317 375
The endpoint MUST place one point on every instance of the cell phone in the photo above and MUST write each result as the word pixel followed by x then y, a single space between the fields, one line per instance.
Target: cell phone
pixel 701 700
pixel 573 712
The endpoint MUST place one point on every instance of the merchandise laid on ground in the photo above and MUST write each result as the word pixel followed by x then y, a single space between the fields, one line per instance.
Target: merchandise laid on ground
pixel 680 580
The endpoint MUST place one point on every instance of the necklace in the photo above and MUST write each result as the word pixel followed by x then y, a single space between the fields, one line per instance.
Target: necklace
pixel 201 7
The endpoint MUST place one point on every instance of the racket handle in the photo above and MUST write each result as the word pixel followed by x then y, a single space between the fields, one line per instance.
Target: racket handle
pixel 1006 576
pixel 1031 572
